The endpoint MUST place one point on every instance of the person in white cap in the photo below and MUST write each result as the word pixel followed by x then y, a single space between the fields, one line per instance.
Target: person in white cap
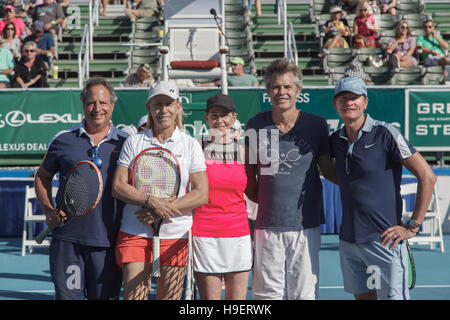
pixel 337 31
pixel 134 243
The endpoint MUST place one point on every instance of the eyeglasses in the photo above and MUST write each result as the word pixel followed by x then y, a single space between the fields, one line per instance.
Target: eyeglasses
pixel 29 50
pixel 95 152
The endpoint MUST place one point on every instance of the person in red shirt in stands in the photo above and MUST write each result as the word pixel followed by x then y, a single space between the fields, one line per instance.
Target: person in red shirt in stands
pixel 10 16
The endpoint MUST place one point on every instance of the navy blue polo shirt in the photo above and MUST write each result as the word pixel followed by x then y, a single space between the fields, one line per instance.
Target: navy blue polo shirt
pixel 101 226
pixel 369 172
pixel 289 189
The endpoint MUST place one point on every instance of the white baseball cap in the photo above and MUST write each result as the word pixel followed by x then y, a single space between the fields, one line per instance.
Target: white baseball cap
pixel 168 88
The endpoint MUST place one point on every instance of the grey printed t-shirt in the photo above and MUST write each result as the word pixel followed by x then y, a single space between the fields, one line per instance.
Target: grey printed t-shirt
pixel 289 187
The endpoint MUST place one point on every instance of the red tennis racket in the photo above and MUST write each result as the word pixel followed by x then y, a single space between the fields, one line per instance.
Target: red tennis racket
pixel 82 191
pixel 156 172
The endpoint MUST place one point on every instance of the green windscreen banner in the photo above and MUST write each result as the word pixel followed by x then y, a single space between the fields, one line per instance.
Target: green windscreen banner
pixel 29 119
pixel 384 105
pixel 428 116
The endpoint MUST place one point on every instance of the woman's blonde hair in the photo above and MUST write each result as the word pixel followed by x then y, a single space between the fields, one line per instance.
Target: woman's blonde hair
pixel 365 5
pixel 178 120
pixel 30 44
pixel 147 69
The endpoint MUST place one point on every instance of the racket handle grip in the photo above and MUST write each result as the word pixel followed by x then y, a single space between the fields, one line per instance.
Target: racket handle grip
pixel 41 236
pixel 156 270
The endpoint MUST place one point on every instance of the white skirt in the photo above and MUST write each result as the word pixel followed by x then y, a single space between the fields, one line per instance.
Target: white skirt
pixel 222 255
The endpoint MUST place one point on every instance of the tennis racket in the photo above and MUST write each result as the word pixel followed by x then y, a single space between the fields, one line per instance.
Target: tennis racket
pixel 81 194
pixel 156 172
pixel 411 268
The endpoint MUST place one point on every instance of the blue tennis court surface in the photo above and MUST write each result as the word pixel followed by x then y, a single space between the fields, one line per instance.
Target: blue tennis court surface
pixel 28 277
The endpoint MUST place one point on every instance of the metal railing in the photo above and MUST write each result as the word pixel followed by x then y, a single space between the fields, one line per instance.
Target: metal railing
pixel 292 53
pixel 83 57
pixel 290 45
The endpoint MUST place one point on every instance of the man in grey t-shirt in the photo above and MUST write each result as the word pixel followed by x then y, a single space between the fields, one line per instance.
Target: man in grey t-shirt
pixel 283 148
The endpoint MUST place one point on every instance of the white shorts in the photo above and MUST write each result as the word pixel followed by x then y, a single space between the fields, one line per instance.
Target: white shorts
pixel 222 255
pixel 286 264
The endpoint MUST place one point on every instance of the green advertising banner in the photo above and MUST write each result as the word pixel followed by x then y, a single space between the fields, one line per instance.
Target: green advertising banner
pixel 428 116
pixel 384 104
pixel 30 118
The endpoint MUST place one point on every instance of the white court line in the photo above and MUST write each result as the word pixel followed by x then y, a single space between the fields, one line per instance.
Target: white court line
pixel 416 286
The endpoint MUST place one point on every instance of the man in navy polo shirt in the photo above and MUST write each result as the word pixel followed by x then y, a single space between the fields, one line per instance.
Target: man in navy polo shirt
pixel 82 261
pixel 369 156
pixel 284 181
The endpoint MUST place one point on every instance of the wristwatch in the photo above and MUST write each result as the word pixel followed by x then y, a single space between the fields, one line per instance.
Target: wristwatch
pixel 413 225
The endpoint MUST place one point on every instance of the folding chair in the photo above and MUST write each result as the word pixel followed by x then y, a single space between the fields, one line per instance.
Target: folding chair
pixel 432 227
pixel 29 219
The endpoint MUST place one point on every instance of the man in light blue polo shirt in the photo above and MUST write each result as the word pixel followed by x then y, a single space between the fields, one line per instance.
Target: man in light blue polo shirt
pixel 369 155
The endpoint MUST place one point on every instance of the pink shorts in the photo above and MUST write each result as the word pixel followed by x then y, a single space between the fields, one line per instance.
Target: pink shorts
pixel 131 248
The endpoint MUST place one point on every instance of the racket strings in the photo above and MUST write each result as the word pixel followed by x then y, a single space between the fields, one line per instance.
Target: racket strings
pixel 157 174
pixel 81 193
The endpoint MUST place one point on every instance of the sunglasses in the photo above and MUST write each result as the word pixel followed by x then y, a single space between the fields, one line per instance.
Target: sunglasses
pixel 404 27
pixel 428 27
pixel 363 10
pixel 9 28
pixel 348 160
pixel 95 152
pixel 29 50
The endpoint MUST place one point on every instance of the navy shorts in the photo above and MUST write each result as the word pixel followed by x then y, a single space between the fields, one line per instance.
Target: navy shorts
pixel 80 271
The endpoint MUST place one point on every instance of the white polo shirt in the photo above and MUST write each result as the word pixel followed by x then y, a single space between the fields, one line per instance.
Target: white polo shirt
pixel 191 159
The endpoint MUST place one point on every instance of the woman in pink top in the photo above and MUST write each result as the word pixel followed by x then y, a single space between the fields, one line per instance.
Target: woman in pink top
pixel 365 25
pixel 221 236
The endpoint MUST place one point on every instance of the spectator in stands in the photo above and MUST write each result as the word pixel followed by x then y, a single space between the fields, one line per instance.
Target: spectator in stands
pixel 384 6
pixel 30 71
pixel 12 42
pixel 6 65
pixel 348 6
pixel 257 6
pixel 372 232
pixel 365 27
pixel 143 77
pixel 432 46
pixel 238 79
pixel 44 41
pixel 18 6
pixel 50 13
pixel 10 16
pixel 355 70
pixel 144 8
pixel 402 48
pixel 337 31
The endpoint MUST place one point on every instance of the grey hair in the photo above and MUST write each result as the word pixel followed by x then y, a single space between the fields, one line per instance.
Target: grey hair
pixel 94 82
pixel 30 44
pixel 282 66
